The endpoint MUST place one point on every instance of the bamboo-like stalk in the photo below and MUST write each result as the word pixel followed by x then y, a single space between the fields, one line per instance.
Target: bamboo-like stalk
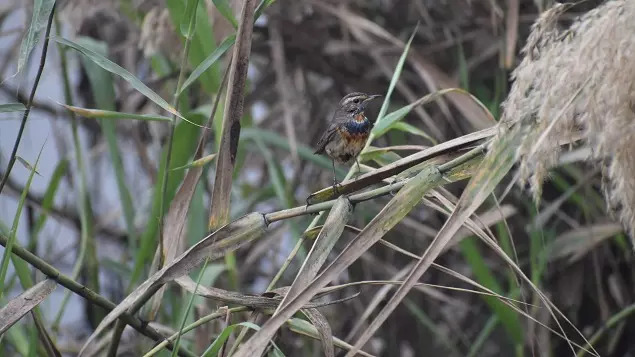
pixel 88 294
pixel 451 169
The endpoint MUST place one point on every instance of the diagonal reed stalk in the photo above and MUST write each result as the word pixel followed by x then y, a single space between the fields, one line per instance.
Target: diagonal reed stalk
pixel 85 292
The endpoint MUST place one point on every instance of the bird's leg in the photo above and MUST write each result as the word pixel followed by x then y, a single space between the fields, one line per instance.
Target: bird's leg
pixel 359 170
pixel 334 178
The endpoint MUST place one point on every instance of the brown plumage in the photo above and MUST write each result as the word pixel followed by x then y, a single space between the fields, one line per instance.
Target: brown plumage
pixel 348 131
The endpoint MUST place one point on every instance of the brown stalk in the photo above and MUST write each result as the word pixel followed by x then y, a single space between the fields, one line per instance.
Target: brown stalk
pixel 226 159
pixel 512 32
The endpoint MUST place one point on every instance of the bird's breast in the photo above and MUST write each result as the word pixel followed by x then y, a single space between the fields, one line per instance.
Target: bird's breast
pixel 354 134
pixel 359 125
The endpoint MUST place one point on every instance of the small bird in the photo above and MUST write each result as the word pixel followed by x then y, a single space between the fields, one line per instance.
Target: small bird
pixel 348 131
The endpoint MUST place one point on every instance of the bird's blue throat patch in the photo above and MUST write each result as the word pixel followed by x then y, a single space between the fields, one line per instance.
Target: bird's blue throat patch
pixel 358 126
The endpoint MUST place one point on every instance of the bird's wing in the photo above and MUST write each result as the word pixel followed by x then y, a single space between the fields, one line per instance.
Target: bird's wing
pixel 326 138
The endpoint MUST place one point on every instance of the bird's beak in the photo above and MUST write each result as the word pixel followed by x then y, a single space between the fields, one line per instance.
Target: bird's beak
pixel 370 97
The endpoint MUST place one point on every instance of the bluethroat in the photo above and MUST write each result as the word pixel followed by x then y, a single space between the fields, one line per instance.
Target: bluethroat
pixel 348 131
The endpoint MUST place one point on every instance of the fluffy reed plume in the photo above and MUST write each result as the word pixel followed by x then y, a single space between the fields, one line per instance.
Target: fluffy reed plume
pixel 576 81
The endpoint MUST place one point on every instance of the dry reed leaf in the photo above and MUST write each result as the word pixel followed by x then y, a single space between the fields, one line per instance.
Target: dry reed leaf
pixel 333 228
pixel 227 297
pixel 217 244
pixel 231 118
pixel 576 243
pixel 323 328
pixel 174 229
pixel 305 328
pixel 19 306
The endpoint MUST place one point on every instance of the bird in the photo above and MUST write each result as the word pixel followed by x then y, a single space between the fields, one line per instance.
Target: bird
pixel 347 132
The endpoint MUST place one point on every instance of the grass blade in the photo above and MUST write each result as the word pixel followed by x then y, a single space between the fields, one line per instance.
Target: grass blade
pixel 330 233
pixel 116 69
pixel 262 6
pixel 208 62
pixel 49 196
pixel 41 12
pixel 387 122
pixel 202 41
pixel 189 14
pixel 393 81
pixel 12 107
pixel 109 114
pixel 188 308
pixel 214 348
pixel 409 128
pixel 224 9
pixel 27 165
pixel 4 265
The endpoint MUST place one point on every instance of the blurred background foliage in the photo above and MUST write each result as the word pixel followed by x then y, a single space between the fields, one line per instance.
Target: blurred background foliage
pixel 97 219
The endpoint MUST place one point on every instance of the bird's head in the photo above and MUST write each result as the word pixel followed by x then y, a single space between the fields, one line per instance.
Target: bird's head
pixel 355 103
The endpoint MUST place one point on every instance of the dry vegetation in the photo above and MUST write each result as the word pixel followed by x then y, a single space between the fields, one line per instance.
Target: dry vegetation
pixel 494 213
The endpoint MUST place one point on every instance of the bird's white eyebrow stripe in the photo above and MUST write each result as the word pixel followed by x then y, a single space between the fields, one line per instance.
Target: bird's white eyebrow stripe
pixel 348 100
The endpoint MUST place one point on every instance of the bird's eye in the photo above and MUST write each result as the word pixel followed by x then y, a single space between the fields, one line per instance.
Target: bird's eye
pixel 356 100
